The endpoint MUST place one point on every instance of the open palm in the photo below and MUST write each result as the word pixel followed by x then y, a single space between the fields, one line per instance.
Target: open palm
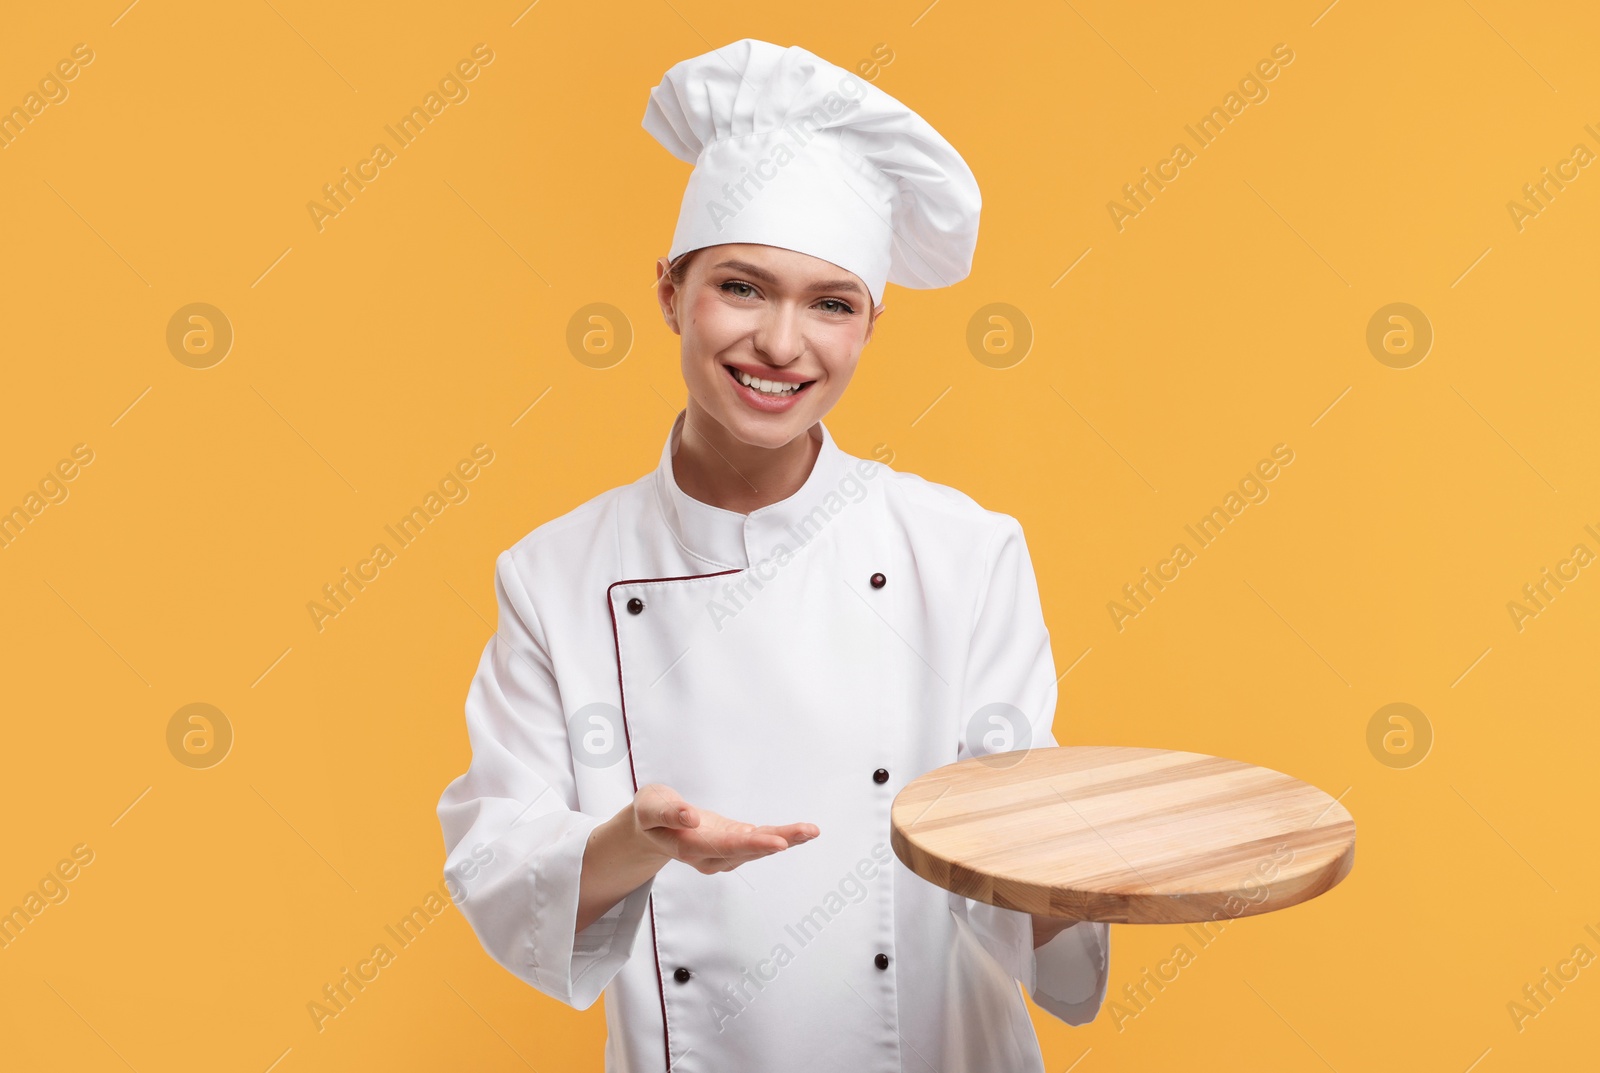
pixel 705 840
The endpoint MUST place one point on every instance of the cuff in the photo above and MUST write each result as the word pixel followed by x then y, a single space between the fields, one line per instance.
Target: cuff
pixel 1071 971
pixel 576 966
pixel 525 907
pixel 1005 933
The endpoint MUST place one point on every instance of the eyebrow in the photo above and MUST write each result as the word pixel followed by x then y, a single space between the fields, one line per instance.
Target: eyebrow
pixel 847 285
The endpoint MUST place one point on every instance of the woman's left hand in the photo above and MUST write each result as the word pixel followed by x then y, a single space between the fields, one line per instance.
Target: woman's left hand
pixel 1047 928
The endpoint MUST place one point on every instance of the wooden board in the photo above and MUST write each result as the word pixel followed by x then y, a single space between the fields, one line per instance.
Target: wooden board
pixel 1124 835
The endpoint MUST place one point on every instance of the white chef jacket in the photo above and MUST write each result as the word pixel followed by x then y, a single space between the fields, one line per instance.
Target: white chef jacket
pixel 757 665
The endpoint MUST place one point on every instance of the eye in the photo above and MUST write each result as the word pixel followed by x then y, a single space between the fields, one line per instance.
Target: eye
pixel 841 306
pixel 738 283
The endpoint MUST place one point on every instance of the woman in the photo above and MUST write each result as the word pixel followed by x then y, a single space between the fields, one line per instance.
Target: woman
pixel 707 686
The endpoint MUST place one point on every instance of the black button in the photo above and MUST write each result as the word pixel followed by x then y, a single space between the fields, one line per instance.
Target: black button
pixel 882 961
pixel 878 581
pixel 881 775
pixel 682 974
pixel 635 605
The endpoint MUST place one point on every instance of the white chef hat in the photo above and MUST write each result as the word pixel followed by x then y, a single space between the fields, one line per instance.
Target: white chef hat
pixel 792 151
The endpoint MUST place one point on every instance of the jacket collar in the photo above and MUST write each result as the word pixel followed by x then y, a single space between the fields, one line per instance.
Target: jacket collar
pixel 727 538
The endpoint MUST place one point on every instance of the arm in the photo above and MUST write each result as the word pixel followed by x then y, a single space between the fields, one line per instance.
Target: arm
pixel 516 844
pixel 1009 699
pixel 616 861
pixel 660 826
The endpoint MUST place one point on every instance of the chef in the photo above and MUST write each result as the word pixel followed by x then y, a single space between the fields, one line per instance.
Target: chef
pixel 707 686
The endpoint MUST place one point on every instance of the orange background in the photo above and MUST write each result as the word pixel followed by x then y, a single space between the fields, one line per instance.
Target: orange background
pixel 369 356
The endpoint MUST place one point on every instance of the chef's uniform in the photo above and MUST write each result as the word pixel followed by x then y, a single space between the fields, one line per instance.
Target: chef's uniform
pixel 798 664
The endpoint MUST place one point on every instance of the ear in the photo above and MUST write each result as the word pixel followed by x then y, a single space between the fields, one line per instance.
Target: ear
pixel 666 295
pixel 877 315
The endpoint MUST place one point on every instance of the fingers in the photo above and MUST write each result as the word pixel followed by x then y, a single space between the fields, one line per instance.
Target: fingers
pixel 794 834
pixel 753 849
pixel 709 842
pixel 662 806
pixel 739 842
pixel 746 842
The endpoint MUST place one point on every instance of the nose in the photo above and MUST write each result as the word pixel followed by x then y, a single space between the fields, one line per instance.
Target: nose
pixel 779 337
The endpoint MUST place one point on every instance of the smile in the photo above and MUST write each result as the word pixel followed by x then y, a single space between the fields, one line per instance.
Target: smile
pixel 771 389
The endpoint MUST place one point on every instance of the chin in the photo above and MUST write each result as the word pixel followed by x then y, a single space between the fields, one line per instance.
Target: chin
pixel 765 430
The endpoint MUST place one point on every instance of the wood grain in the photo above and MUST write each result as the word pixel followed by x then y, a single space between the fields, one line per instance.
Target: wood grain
pixel 1124 835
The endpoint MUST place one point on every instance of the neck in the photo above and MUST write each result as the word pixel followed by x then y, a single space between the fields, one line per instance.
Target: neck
pixel 712 466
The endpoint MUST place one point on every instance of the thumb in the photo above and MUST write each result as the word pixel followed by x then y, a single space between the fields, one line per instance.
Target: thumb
pixel 666 808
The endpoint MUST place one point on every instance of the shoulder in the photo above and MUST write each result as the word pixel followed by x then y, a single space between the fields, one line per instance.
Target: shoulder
pixel 939 514
pixel 576 536
pixel 955 539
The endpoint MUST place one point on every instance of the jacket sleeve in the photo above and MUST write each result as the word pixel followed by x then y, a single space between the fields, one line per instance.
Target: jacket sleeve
pixel 514 838
pixel 1008 703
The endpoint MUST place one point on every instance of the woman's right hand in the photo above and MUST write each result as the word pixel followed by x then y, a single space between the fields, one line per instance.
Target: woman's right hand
pixel 704 840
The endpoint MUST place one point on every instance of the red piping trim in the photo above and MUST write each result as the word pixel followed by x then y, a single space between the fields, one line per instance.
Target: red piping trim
pixel 616 641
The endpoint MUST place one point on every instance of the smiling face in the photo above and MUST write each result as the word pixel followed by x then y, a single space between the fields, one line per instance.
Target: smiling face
pixel 771 336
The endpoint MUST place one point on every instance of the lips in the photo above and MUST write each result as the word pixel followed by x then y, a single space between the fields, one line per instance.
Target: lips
pixel 799 387
pixel 762 400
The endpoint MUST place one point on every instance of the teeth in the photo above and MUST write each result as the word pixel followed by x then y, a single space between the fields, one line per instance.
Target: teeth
pixel 766 387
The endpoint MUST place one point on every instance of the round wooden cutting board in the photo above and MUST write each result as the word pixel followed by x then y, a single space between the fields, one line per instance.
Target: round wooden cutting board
pixel 1123 835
